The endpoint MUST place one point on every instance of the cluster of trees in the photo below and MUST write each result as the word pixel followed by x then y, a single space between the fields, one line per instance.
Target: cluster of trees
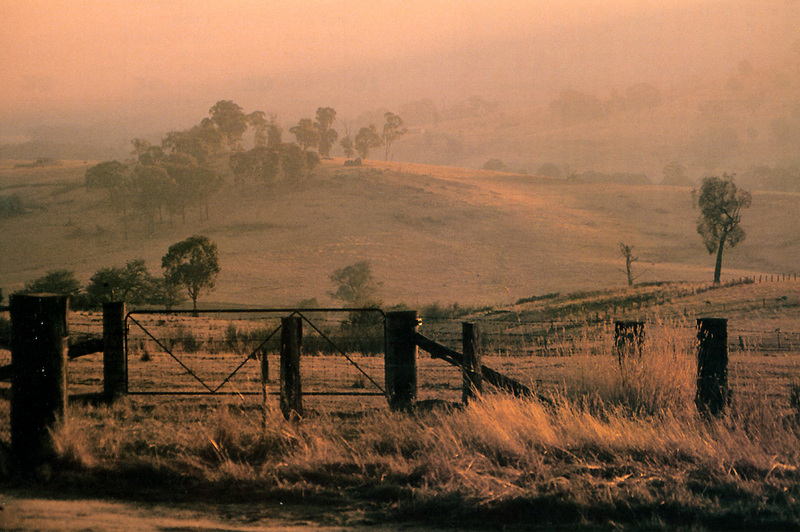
pixel 369 137
pixel 270 159
pixel 171 177
pixel 186 168
pixel 192 264
pixel 575 106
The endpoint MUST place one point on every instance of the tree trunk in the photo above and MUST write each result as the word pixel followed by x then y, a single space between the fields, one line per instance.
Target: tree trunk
pixel 718 267
pixel 628 268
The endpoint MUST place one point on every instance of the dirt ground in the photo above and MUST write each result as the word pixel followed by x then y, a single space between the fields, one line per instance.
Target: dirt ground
pixel 25 511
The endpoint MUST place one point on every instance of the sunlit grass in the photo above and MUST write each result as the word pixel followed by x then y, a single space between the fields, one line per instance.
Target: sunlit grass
pixel 624 444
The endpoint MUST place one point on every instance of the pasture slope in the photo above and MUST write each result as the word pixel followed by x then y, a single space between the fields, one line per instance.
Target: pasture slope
pixel 431 233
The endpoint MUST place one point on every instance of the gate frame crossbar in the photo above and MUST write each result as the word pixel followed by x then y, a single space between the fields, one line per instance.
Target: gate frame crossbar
pixel 287 311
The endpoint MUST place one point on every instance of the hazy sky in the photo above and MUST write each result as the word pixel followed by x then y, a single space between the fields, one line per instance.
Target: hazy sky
pixel 166 57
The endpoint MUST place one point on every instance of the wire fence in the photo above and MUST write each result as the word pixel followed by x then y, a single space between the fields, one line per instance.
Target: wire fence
pixel 221 351
pixel 540 354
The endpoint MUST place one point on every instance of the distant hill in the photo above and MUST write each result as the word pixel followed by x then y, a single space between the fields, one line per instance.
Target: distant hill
pixel 747 119
pixel 431 233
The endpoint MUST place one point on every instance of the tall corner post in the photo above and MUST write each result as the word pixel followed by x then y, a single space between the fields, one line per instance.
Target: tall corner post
pixel 712 366
pixel 401 358
pixel 291 395
pixel 39 343
pixel 115 367
pixel 471 370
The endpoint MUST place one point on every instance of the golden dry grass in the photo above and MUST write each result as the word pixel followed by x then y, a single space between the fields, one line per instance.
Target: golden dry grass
pixel 431 234
pixel 622 446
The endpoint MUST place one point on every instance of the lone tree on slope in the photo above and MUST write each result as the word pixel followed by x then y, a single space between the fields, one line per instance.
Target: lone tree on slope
pixel 721 205
pixel 393 129
pixel 355 285
pixel 193 263
pixel 626 250
pixel 366 139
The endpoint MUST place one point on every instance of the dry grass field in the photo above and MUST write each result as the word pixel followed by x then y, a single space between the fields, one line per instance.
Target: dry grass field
pixel 610 448
pixel 430 233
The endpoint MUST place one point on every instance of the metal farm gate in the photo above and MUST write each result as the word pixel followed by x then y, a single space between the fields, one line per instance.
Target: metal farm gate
pixel 227 351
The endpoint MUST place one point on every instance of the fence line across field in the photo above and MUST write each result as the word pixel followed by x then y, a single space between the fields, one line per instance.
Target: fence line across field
pixel 40 352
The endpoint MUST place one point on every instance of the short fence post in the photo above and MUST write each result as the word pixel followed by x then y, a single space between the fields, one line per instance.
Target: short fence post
pixel 472 367
pixel 115 368
pixel 628 340
pixel 264 381
pixel 401 358
pixel 39 342
pixel 291 391
pixel 712 366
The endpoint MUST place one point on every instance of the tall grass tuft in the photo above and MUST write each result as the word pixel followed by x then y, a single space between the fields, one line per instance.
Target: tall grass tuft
pixel 662 379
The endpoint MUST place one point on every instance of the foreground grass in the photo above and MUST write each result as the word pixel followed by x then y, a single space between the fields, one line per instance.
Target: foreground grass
pixel 500 460
pixel 613 447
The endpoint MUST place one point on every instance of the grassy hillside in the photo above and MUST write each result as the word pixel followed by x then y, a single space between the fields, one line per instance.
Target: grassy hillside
pixel 431 233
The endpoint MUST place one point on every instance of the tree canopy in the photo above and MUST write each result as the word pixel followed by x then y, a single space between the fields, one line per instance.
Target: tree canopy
pixel 230 120
pixel 192 263
pixel 393 129
pixel 132 283
pixel 306 133
pixel 54 282
pixel 108 174
pixel 721 204
pixel 327 135
pixel 355 285
pixel 366 139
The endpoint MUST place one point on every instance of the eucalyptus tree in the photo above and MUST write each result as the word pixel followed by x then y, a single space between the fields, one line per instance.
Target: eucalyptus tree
pixel 366 139
pixel 393 129
pixel 231 120
pixel 194 264
pixel 721 203
pixel 327 135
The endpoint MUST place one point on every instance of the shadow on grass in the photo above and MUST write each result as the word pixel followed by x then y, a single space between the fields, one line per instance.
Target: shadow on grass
pixel 325 498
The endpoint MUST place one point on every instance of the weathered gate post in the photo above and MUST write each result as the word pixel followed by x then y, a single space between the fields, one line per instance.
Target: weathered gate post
pixel 628 340
pixel 401 358
pixel 264 381
pixel 115 374
pixel 471 369
pixel 39 340
pixel 291 391
pixel 712 366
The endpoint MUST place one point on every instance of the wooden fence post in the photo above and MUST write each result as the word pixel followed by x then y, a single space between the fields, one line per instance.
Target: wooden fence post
pixel 291 391
pixel 400 364
pixel 39 340
pixel 471 370
pixel 628 340
pixel 264 381
pixel 115 367
pixel 712 366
